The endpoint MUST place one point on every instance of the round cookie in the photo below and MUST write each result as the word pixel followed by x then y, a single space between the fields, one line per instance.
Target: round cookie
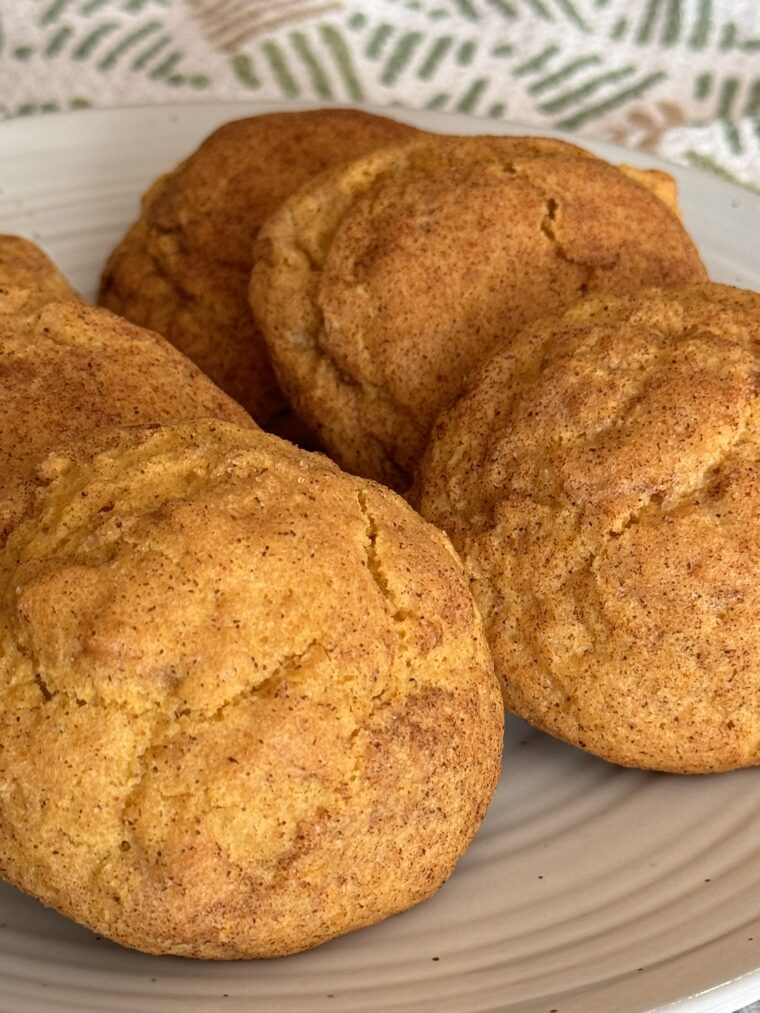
pixel 601 480
pixel 261 687
pixel 67 368
pixel 183 267
pixel 379 286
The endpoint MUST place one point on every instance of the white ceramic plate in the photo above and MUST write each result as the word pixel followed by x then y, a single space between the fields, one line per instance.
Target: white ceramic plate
pixel 589 888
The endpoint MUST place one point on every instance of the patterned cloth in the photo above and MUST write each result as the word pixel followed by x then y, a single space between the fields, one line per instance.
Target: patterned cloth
pixel 679 77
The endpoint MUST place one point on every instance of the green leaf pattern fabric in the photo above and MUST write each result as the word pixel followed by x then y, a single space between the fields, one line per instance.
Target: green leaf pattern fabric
pixel 678 77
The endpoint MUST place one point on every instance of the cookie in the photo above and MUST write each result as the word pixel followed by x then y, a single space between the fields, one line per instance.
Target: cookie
pixel 183 268
pixel 379 286
pixel 261 688
pixel 601 479
pixel 660 183
pixel 28 277
pixel 67 368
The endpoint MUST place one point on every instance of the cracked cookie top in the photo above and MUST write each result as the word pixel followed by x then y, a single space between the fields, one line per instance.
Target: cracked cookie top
pixel 378 287
pixel 261 689
pixel 183 267
pixel 67 368
pixel 601 480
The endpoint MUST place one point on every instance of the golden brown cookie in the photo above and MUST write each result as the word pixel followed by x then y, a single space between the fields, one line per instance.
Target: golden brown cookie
pixel 28 278
pixel 601 480
pixel 261 689
pixel 67 368
pixel 379 286
pixel 183 267
pixel 660 183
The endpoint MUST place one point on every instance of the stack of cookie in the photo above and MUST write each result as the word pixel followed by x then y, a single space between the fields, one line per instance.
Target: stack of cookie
pixel 264 686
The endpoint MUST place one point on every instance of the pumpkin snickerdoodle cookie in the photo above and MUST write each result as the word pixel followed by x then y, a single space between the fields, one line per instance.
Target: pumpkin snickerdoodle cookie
pixel 380 285
pixel 183 267
pixel 261 688
pixel 600 478
pixel 67 368
pixel 28 277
